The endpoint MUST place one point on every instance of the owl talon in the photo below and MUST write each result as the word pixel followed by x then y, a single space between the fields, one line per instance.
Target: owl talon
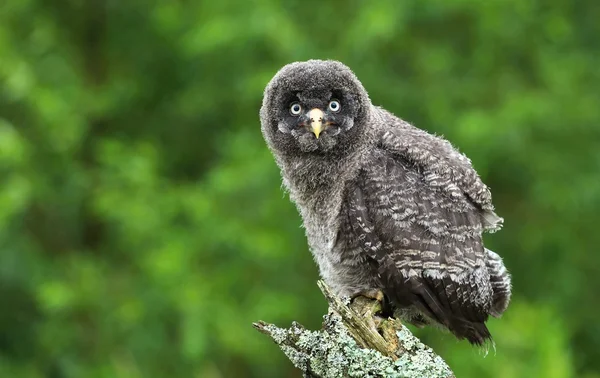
pixel 375 294
pixel 384 309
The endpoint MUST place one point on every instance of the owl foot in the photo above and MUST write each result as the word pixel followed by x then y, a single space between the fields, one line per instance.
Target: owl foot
pixel 375 310
pixel 363 320
pixel 384 306
pixel 375 294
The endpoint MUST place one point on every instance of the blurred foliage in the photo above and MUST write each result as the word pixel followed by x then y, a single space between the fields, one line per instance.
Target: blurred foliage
pixel 142 223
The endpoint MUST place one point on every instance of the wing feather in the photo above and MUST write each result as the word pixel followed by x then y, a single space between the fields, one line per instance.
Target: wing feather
pixel 443 166
pixel 420 214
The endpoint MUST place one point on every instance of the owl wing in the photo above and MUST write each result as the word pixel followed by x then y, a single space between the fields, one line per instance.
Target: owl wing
pixel 418 211
pixel 444 167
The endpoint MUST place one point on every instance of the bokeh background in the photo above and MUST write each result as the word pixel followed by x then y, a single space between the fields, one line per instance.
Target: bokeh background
pixel 142 223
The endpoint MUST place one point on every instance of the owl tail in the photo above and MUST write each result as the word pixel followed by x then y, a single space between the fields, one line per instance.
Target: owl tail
pixel 476 333
pixel 501 283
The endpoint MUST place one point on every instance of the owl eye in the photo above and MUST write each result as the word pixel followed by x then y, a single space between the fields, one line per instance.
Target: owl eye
pixel 334 105
pixel 295 108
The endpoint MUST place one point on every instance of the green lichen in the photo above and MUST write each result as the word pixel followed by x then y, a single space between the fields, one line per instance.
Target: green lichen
pixel 333 353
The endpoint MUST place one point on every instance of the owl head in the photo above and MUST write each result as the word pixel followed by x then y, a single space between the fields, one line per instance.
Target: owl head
pixel 314 107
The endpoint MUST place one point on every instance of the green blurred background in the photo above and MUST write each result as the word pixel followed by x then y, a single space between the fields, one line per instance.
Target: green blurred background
pixel 142 223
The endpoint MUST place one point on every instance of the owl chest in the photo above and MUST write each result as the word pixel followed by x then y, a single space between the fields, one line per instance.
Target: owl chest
pixel 319 197
pixel 321 222
pixel 340 260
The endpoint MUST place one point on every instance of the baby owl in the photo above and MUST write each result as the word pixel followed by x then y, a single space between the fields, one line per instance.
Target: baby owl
pixel 386 206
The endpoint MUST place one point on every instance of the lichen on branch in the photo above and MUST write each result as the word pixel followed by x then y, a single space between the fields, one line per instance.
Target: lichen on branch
pixel 354 342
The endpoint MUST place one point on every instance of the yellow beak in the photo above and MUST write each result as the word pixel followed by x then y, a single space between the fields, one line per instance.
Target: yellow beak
pixel 316 121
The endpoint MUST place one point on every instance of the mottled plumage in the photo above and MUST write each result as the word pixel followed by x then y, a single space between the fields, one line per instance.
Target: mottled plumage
pixel 385 205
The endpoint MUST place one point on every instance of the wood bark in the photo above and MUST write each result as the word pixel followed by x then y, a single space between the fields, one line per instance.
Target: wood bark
pixel 355 342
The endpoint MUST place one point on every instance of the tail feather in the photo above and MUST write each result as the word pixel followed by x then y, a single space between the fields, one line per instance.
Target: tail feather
pixel 501 283
pixel 476 333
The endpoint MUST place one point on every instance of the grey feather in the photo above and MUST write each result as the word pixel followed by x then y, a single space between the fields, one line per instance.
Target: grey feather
pixel 385 205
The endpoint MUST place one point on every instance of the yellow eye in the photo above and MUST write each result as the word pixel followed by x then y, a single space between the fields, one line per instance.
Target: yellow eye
pixel 295 109
pixel 334 106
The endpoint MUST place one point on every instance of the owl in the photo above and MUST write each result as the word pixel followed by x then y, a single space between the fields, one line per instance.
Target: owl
pixel 386 207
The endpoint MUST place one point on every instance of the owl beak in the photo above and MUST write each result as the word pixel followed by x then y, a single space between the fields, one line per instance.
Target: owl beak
pixel 316 121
